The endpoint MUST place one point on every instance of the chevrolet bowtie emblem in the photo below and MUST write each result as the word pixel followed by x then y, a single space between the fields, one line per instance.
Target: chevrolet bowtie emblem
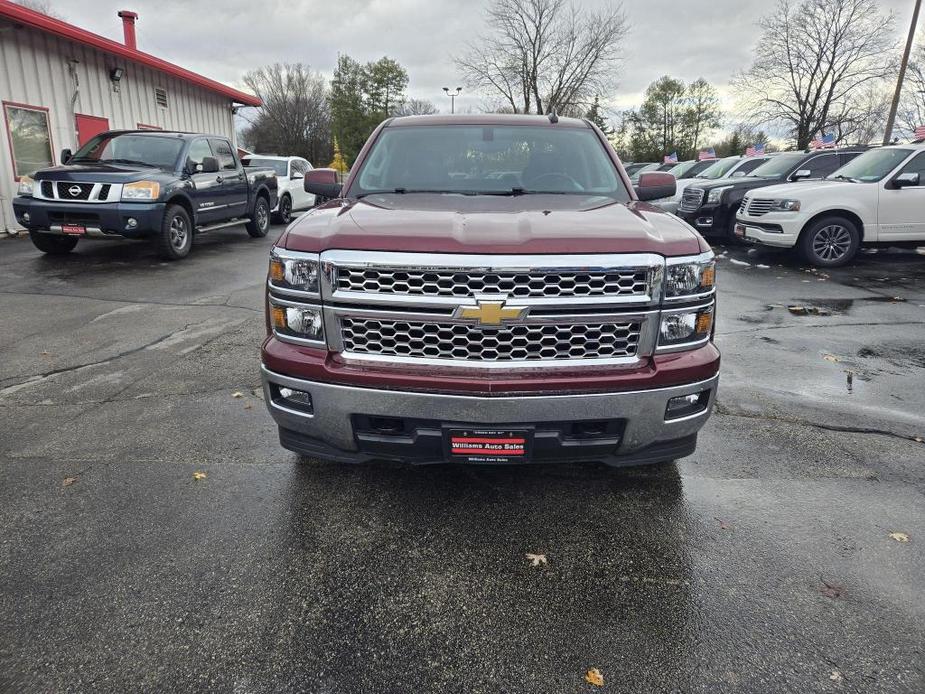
pixel 491 312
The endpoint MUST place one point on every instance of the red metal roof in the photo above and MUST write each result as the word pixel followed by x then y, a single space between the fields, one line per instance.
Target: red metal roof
pixel 50 25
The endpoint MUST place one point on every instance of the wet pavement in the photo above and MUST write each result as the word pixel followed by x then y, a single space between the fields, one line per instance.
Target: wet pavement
pixel 763 563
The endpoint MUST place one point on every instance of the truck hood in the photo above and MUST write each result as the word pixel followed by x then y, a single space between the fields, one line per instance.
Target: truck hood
pixel 798 189
pixel 486 224
pixel 97 173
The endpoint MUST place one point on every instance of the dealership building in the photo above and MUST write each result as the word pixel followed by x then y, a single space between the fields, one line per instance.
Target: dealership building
pixel 60 85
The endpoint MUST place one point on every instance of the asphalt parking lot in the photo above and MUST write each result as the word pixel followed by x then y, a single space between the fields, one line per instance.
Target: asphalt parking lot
pixel 763 563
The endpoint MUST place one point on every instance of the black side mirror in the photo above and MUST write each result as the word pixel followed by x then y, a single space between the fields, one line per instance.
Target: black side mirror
pixel 322 183
pixel 906 180
pixel 208 165
pixel 66 156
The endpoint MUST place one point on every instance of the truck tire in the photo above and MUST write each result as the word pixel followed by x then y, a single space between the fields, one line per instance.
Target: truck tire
pixel 175 237
pixel 829 242
pixel 259 223
pixel 283 212
pixel 52 244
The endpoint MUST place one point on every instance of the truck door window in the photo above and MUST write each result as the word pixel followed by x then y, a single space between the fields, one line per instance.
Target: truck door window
pixel 226 159
pixel 916 165
pixel 199 150
pixel 822 165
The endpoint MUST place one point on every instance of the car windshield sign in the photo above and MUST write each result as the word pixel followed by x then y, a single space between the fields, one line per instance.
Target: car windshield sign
pixel 488 160
pixel 131 149
pixel 778 166
pixel 871 166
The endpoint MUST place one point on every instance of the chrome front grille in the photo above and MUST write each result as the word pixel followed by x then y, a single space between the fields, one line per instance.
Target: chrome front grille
pixel 758 206
pixel 473 343
pixel 78 192
pixel 454 283
pixel 691 200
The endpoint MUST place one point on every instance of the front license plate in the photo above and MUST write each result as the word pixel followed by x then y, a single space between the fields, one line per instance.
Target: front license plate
pixel 75 229
pixel 740 230
pixel 488 445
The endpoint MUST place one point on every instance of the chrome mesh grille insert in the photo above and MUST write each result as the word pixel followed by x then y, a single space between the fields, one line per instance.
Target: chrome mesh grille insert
pixel 457 341
pixel 439 282
pixel 759 206
pixel 691 199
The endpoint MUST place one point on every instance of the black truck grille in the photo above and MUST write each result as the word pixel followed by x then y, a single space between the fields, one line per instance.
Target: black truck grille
pixel 74 191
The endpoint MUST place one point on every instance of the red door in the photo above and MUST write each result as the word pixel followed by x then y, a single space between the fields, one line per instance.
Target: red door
pixel 88 126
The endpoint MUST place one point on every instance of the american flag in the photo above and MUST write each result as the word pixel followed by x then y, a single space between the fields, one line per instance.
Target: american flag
pixel 706 154
pixel 755 150
pixel 823 141
pixel 919 133
pixel 671 158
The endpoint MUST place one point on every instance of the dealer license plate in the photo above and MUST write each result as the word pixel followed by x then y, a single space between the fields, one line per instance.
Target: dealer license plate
pixel 76 229
pixel 740 230
pixel 488 445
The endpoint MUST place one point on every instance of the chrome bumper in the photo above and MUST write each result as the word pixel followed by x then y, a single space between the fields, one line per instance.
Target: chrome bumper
pixel 642 410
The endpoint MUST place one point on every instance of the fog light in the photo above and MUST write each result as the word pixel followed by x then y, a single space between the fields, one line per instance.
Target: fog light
pixel 687 405
pixel 705 221
pixel 25 217
pixel 296 399
pixel 131 223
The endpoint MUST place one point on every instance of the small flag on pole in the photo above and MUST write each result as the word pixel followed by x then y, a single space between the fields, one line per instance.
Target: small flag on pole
pixel 919 133
pixel 755 150
pixel 823 141
pixel 671 158
pixel 706 154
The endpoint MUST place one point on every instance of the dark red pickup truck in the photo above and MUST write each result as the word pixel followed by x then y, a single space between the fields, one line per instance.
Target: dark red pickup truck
pixel 490 289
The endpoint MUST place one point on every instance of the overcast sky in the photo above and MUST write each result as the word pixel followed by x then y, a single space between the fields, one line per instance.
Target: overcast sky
pixel 223 39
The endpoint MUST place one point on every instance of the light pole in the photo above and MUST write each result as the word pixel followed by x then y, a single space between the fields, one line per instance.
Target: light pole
pixel 891 119
pixel 452 96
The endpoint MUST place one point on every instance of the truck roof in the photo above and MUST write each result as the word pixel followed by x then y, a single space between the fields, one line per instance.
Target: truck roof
pixel 181 134
pixel 488 119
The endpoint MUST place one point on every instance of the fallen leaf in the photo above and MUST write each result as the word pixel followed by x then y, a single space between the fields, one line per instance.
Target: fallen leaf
pixel 247 407
pixel 537 559
pixel 723 525
pixel 237 394
pixel 797 310
pixel 918 439
pixel 199 475
pixel 900 537
pixel 831 590
pixel 831 357
pixel 836 676
pixel 68 481
pixel 594 676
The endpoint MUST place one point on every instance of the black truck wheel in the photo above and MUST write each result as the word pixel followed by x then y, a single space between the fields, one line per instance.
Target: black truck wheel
pixel 176 234
pixel 830 242
pixel 52 244
pixel 259 223
pixel 284 211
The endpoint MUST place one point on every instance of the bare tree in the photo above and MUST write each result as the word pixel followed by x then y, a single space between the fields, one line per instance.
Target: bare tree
pixel 43 6
pixel 811 62
pixel 541 55
pixel 912 107
pixel 416 107
pixel 295 118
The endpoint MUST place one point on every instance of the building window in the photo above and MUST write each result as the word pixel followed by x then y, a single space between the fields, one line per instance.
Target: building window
pixel 160 97
pixel 29 137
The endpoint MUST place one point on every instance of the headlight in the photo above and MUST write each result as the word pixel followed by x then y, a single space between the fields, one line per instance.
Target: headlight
pixel 297 272
pixel 786 205
pixel 716 194
pixel 680 328
pixel 26 186
pixel 299 322
pixel 686 277
pixel 141 190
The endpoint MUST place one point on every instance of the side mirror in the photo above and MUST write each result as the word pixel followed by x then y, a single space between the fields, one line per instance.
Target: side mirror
pixel 801 174
pixel 66 156
pixel 208 165
pixel 296 175
pixel 653 185
pixel 323 183
pixel 905 180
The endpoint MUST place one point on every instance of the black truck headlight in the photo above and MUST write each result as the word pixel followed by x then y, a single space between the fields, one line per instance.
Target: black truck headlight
pixel 301 323
pixel 294 272
pixel 690 276
pixel 685 327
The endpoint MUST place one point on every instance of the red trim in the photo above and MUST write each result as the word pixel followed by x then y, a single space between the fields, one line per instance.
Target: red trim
pixel 146 126
pixel 42 22
pixel 81 120
pixel 9 135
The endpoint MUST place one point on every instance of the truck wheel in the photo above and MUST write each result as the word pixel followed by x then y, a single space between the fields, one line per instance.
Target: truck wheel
pixel 259 224
pixel 176 235
pixel 284 211
pixel 52 244
pixel 830 242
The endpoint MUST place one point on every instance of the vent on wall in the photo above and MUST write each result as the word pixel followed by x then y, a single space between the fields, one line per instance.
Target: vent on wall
pixel 160 97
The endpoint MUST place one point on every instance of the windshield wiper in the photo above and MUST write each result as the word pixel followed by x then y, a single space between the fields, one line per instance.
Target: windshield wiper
pixel 127 161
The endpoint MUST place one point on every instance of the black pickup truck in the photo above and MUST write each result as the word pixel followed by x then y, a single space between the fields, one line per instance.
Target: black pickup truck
pixel 133 184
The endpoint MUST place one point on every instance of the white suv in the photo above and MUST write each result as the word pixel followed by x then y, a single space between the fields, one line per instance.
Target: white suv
pixel 878 197
pixel 290 174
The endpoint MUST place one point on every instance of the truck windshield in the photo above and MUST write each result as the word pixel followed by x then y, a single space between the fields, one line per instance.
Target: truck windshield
pixel 280 166
pixel 133 149
pixel 871 166
pixel 779 166
pixel 720 168
pixel 488 160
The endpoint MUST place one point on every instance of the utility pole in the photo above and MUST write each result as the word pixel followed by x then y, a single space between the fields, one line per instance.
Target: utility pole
pixel 891 120
pixel 453 95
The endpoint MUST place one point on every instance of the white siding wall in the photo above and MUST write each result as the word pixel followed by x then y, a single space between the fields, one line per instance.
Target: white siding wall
pixel 34 70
